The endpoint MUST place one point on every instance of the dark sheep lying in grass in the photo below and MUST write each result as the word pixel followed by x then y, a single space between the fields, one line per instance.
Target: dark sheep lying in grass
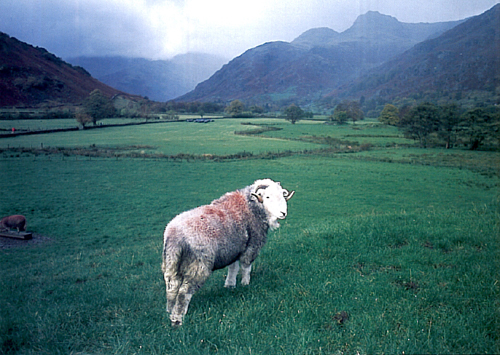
pixel 16 221
pixel 230 231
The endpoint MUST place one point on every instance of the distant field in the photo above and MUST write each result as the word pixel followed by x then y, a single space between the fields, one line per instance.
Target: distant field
pixel 37 125
pixel 366 131
pixel 43 124
pixel 168 138
pixel 389 250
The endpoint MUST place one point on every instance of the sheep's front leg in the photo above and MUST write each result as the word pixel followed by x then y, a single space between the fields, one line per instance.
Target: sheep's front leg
pixel 245 273
pixel 232 272
pixel 180 308
pixel 172 284
pixel 247 258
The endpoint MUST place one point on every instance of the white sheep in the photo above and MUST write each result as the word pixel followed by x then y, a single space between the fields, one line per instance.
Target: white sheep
pixel 230 231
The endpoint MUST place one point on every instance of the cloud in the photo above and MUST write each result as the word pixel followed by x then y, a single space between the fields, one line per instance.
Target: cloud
pixel 163 28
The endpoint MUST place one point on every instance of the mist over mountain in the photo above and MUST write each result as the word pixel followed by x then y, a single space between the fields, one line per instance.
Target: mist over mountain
pixel 315 63
pixel 159 80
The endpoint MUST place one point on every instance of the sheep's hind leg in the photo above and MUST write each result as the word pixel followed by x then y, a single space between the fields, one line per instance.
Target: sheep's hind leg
pixel 232 272
pixel 192 282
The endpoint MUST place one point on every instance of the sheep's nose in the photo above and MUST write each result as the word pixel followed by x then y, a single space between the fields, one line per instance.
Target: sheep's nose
pixel 283 214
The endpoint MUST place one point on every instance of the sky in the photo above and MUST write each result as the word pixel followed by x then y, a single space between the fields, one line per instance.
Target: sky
pixel 161 29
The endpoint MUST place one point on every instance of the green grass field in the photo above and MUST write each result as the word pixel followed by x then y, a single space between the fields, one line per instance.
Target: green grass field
pixel 391 250
pixel 41 124
pixel 168 138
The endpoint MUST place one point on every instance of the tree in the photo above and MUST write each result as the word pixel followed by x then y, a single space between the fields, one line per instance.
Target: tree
pixel 404 110
pixel 145 108
pixel 420 121
pixel 256 109
pixel 476 126
pixel 352 110
pixel 82 118
pixel 235 108
pixel 172 115
pixel 449 123
pixel 98 106
pixel 294 113
pixel 339 117
pixel 389 115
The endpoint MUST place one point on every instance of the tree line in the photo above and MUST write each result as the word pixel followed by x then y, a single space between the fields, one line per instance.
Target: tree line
pixel 430 124
pixel 450 124
pixel 347 110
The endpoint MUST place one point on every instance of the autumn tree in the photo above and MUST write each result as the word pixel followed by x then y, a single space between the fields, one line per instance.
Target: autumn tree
pixel 83 118
pixel 294 113
pixel 98 106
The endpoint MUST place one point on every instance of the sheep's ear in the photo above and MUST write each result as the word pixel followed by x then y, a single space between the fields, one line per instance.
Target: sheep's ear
pixel 258 197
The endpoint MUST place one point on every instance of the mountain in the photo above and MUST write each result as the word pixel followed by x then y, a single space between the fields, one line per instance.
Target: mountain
pixel 317 37
pixel 465 58
pixel 315 63
pixel 30 76
pixel 159 80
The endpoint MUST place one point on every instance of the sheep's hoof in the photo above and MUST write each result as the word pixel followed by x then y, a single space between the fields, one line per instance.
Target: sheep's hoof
pixel 229 286
pixel 176 323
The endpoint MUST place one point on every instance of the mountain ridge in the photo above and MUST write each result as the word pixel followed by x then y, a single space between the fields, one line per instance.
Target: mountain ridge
pixel 31 76
pixel 464 58
pixel 313 64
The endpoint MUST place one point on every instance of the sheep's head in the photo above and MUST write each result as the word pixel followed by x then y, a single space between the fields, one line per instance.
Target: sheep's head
pixel 274 199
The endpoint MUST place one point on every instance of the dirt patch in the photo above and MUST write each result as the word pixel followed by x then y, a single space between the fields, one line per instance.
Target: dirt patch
pixel 36 240
pixel 409 286
pixel 341 317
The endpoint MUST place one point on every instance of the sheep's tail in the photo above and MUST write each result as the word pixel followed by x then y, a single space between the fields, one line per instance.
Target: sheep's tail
pixel 172 253
pixel 171 265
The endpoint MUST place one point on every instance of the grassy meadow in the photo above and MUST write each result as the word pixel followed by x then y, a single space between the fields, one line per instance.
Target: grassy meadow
pixel 216 138
pixel 388 250
pixel 46 124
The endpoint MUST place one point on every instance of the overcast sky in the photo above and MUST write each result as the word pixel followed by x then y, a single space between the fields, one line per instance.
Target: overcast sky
pixel 160 29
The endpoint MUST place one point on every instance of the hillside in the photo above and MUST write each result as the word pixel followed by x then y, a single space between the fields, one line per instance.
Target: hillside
pixel 315 63
pixel 463 59
pixel 31 76
pixel 159 80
